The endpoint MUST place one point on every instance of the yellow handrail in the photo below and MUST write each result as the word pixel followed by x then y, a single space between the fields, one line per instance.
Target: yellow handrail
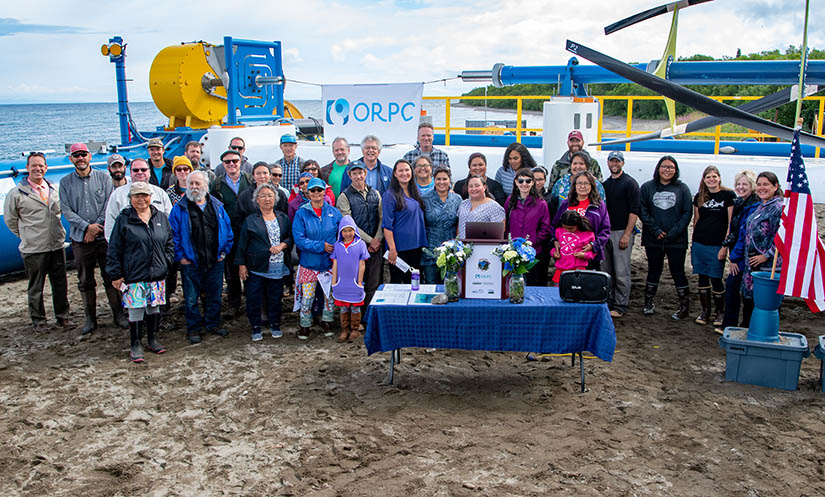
pixel 717 133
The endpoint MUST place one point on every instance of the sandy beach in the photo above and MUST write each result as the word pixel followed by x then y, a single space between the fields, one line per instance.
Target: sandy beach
pixel 284 417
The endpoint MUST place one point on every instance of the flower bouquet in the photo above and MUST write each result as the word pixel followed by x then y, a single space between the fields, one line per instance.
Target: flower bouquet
pixel 518 257
pixel 450 256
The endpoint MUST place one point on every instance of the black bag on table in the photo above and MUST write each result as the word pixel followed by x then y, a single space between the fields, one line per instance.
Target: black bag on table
pixel 584 286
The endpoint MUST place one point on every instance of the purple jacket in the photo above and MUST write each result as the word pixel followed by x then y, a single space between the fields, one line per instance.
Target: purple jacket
pixel 530 218
pixel 599 220
pixel 346 289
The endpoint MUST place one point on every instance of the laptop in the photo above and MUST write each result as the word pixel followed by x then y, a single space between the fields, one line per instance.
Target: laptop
pixel 484 231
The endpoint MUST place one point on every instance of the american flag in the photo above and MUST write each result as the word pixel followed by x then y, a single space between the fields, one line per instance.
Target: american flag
pixel 803 253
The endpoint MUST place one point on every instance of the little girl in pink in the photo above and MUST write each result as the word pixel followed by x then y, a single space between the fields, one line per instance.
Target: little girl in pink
pixel 572 238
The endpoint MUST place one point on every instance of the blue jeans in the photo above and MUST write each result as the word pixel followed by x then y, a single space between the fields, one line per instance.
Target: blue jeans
pixel 254 294
pixel 210 281
pixel 733 297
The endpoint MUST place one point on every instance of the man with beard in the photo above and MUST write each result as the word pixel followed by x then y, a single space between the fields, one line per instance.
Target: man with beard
pixel 117 170
pixel 575 143
pixel 193 151
pixel 83 196
pixel 202 233
pixel 161 173
pixel 119 199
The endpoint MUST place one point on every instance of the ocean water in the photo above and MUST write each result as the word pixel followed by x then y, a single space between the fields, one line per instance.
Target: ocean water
pixel 29 127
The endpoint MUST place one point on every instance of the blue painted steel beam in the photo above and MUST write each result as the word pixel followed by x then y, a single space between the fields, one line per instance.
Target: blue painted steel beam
pixel 770 72
pixel 122 97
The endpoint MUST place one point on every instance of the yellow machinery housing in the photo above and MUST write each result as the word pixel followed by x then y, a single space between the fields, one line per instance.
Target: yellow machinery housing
pixel 187 87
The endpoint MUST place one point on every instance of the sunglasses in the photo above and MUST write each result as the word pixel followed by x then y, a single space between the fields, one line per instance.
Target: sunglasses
pixel 310 169
pixel 521 181
pixel 277 175
pixel 236 147
pixel 140 170
pixel 232 161
pixel 79 154
pixel 316 190
pixel 182 170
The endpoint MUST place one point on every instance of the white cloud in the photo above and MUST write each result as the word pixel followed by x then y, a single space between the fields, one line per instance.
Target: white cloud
pixel 361 42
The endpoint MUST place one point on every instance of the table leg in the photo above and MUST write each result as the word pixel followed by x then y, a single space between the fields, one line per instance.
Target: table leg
pixel 572 359
pixel 581 365
pixel 392 365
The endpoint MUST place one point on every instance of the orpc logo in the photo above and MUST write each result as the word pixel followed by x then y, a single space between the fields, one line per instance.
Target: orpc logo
pixel 338 111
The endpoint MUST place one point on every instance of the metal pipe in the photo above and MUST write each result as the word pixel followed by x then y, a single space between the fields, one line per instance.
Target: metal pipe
pixel 268 80
pixel 122 97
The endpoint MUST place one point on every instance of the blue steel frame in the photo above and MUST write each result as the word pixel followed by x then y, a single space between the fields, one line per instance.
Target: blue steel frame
pixel 122 97
pixel 245 61
pixel 574 76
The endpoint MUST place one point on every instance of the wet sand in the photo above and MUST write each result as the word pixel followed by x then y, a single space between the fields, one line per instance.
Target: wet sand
pixel 284 417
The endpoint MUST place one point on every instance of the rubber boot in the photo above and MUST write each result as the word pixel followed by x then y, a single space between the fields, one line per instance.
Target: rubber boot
pixel 704 300
pixel 650 295
pixel 354 325
pixel 152 327
pixel 718 308
pixel 90 308
pixel 684 303
pixel 345 323
pixel 118 316
pixel 136 350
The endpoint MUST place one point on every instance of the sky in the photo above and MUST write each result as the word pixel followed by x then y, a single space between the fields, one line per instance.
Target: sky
pixel 51 49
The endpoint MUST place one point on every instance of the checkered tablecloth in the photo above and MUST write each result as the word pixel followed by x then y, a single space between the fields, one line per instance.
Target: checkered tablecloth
pixel 543 323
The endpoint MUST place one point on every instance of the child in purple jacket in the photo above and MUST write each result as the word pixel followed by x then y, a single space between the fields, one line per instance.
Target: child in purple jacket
pixel 348 266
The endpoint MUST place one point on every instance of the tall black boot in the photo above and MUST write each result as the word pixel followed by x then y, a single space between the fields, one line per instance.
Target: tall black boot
pixel 152 326
pixel 650 295
pixel 704 300
pixel 718 308
pixel 136 349
pixel 90 308
pixel 684 303
pixel 118 316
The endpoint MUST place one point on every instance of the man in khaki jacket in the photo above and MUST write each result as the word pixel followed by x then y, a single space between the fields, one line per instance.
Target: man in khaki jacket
pixel 32 213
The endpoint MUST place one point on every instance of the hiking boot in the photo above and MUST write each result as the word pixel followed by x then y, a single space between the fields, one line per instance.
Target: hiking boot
pixel 650 295
pixel 40 327
pixel 683 294
pixel 704 300
pixel 65 323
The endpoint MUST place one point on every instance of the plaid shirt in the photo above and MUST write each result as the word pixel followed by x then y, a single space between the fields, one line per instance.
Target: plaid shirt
pixel 291 170
pixel 439 157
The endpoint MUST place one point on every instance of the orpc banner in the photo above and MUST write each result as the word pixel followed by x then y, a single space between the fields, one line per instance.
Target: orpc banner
pixel 391 112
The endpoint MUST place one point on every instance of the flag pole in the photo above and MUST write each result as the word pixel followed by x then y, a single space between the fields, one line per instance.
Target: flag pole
pixel 803 62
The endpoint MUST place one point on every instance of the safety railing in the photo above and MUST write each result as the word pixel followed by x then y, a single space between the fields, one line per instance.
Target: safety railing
pixel 717 134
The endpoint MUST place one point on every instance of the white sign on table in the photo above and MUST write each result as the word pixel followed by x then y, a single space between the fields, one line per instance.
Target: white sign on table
pixel 483 273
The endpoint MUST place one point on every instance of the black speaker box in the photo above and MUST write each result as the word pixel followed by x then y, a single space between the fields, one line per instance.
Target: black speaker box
pixel 587 287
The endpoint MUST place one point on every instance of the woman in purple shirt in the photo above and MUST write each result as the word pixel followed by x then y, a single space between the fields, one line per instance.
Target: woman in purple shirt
pixel 585 199
pixel 528 217
pixel 403 221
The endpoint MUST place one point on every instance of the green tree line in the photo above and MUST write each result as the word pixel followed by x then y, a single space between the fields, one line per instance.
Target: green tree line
pixel 655 109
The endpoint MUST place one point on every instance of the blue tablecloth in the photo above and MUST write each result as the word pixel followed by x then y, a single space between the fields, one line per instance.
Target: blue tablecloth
pixel 543 323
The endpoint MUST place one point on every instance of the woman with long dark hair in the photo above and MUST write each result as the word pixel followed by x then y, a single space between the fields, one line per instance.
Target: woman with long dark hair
pixel 584 198
pixel 760 229
pixel 403 221
pixel 666 208
pixel 712 213
pixel 528 217
pixel 515 157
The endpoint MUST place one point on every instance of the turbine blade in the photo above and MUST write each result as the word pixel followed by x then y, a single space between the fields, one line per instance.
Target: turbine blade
pixel 649 14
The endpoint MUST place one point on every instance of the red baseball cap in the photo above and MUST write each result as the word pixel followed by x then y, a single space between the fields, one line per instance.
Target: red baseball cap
pixel 78 147
pixel 576 134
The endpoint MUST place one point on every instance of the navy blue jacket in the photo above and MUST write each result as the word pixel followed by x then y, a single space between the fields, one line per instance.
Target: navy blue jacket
pixel 182 231
pixel 253 242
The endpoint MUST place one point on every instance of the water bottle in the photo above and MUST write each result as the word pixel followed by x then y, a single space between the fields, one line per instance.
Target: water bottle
pixel 415 284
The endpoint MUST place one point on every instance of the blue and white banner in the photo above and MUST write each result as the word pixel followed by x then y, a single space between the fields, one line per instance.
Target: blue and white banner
pixel 391 112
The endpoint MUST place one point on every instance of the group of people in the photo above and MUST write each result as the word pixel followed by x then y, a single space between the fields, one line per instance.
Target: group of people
pixel 325 232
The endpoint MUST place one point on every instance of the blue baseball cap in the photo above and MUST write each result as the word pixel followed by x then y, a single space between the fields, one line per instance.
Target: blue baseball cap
pixel 616 154
pixel 288 138
pixel 316 183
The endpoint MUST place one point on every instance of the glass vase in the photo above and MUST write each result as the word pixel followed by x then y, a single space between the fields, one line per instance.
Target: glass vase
pixel 452 286
pixel 517 288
